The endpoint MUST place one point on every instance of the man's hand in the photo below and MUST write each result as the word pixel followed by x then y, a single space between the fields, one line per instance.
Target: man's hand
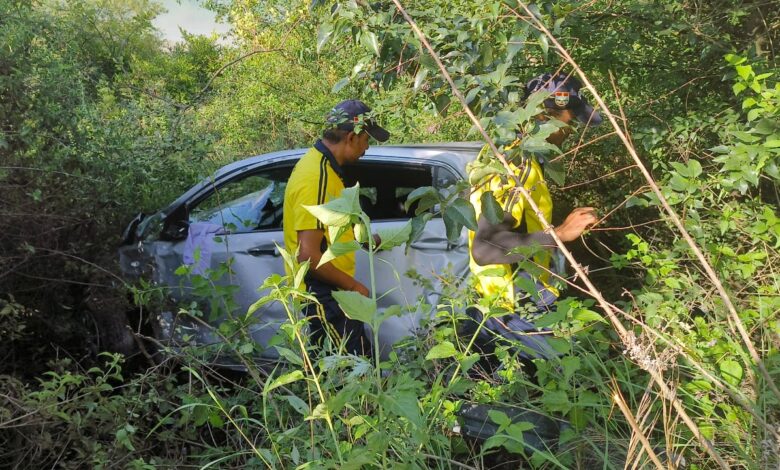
pixel 309 242
pixel 576 222
pixel 360 289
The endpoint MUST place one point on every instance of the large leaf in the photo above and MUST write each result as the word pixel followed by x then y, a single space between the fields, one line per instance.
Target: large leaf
pixel 339 211
pixel 340 84
pixel 556 172
pixel 533 105
pixel 731 371
pixel 427 197
pixel 356 306
pixel 329 216
pixel 586 316
pixel 395 236
pixel 338 249
pixel 370 41
pixel 284 380
pixel 462 212
pixel 335 232
pixel 491 209
pixel 480 170
pixel 402 403
pixel 442 350
pixel 419 79
pixel 418 227
pixel 324 33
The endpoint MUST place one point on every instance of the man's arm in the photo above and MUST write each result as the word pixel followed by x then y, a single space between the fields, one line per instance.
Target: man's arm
pixel 493 242
pixel 309 242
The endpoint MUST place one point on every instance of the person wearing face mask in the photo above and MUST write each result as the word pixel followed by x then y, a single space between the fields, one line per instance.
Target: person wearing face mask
pixel 317 179
pixel 496 249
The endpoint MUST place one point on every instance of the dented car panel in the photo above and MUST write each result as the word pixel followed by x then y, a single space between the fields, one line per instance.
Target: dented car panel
pixel 237 216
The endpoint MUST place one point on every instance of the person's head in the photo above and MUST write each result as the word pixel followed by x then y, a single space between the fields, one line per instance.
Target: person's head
pixel 349 129
pixel 566 104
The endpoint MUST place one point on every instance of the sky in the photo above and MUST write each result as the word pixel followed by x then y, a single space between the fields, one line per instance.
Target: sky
pixel 190 16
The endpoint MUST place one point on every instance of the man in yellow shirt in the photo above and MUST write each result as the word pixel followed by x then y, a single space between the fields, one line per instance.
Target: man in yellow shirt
pixel 316 179
pixel 492 247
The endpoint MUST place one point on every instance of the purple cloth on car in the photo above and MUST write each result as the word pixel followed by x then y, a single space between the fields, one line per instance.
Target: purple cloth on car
pixel 200 237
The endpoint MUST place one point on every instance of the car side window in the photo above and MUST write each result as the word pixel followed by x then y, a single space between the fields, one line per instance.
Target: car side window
pixel 384 186
pixel 244 205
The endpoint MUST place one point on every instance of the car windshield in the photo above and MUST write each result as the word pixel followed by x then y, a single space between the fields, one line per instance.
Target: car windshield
pixel 246 213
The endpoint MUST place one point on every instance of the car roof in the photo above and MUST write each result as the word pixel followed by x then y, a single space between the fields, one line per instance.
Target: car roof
pixel 456 154
pixel 453 154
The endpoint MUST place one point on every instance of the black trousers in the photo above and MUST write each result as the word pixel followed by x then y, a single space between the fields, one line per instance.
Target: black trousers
pixel 343 331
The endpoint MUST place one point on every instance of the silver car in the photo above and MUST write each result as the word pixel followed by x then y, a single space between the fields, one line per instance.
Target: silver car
pixel 237 214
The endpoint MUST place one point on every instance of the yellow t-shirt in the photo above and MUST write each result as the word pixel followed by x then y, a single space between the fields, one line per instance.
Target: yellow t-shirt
pixel 313 181
pixel 498 279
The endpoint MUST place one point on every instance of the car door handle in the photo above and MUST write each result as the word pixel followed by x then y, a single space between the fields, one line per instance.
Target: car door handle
pixel 441 245
pixel 263 251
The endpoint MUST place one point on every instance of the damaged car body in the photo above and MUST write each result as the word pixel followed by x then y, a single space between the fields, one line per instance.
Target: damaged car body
pixel 235 218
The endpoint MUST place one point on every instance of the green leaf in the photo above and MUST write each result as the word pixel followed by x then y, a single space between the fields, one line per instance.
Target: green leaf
pixel 587 316
pixel 534 103
pixel 556 400
pixel 499 417
pixel 323 34
pixel 427 195
pixel 356 306
pixel 419 79
pixel 744 71
pixel 467 362
pixel 371 42
pixel 402 403
pixel 462 212
pixel 340 84
pixel 338 249
pixel 303 268
pixel 284 380
pixel 551 318
pixel 479 170
pixel 339 211
pixel 556 171
pixel 571 364
pixel 291 356
pixel 391 311
pixel 442 102
pixel 731 371
pixel 694 168
pixel 495 441
pixel 418 227
pixel 395 236
pixel 491 209
pixel 515 44
pixel 442 350
pixel 507 119
pixel 360 232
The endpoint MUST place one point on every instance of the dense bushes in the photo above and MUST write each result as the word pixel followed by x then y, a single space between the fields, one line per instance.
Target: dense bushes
pixel 98 121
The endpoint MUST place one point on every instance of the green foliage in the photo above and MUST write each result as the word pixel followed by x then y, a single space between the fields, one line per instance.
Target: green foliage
pixel 98 121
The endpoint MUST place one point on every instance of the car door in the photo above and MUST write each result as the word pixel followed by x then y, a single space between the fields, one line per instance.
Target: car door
pixel 236 223
pixel 386 182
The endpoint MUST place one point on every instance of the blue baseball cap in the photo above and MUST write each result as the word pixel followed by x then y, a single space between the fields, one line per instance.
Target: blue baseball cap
pixel 346 114
pixel 566 95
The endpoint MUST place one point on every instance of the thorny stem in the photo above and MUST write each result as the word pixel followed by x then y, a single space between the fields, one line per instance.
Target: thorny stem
pixel 657 376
